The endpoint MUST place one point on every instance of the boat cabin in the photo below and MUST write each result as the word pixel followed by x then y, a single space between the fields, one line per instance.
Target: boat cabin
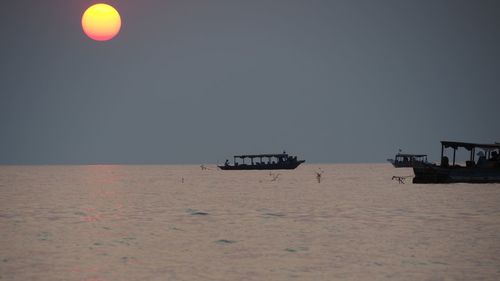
pixel 261 159
pixel 408 160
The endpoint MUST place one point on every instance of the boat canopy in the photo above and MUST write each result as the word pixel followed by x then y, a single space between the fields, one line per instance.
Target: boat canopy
pixel 469 145
pixel 281 155
pixel 410 155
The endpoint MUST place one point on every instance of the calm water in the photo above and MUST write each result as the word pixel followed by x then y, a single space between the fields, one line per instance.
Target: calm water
pixel 103 223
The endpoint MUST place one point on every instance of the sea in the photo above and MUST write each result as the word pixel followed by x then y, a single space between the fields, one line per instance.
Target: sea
pixel 192 222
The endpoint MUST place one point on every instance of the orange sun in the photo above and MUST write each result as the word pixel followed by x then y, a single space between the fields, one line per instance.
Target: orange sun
pixel 101 22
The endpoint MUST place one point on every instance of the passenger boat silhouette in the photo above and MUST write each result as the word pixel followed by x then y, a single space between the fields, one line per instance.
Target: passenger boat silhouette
pixel 281 161
pixel 485 170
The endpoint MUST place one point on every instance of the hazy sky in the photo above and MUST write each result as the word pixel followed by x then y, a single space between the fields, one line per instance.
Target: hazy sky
pixel 198 81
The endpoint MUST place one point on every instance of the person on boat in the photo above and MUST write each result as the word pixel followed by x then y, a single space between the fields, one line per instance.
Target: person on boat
pixel 226 163
pixel 495 156
pixel 481 161
pixel 445 162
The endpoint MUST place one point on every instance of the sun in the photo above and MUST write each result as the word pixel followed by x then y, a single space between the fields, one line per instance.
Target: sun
pixel 101 22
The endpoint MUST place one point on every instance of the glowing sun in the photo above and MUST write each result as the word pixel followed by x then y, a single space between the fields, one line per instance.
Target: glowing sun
pixel 101 22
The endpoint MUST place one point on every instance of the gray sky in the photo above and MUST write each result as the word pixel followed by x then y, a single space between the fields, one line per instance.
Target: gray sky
pixel 198 81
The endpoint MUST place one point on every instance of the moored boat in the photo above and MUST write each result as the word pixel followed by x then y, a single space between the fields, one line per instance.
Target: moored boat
pixel 485 170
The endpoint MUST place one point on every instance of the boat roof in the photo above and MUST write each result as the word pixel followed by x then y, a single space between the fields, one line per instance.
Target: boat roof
pixel 411 155
pixel 470 145
pixel 261 155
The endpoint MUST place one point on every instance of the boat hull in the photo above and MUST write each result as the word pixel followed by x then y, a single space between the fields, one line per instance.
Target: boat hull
pixel 276 166
pixel 437 174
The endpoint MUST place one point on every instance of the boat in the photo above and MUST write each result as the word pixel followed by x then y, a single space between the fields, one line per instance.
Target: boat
pixel 485 170
pixel 403 160
pixel 281 161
